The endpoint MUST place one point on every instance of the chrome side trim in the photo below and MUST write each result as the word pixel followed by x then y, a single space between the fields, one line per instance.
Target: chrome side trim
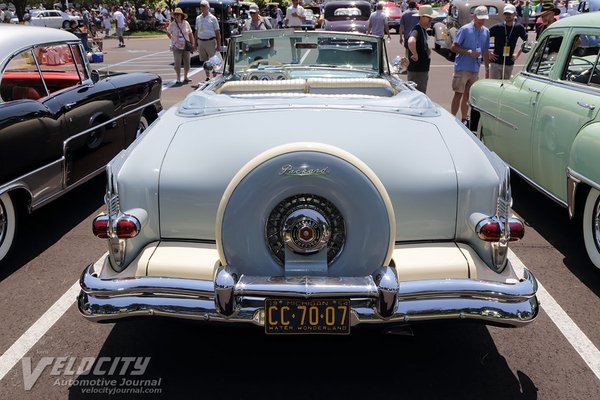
pixel 482 111
pixel 538 187
pixel 67 189
pixel 39 182
pixel 105 123
pixel 564 84
pixel 574 179
pixel 572 183
pixel 487 301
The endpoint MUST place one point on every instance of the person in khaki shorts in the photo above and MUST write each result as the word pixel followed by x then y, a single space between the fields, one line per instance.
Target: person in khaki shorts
pixel 208 34
pixel 471 47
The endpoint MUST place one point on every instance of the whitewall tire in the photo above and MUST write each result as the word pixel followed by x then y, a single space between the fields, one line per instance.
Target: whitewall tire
pixel 591 226
pixel 8 220
pixel 142 126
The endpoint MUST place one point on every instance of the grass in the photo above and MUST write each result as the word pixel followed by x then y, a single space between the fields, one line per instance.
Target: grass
pixel 145 33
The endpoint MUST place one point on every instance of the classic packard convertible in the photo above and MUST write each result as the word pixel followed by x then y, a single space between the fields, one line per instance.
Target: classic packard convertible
pixel 271 197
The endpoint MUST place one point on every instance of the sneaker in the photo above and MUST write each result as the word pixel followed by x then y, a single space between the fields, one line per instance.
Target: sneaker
pixel 177 84
pixel 187 80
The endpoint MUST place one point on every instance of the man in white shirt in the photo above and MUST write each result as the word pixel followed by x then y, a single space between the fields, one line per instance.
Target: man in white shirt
pixel 120 22
pixel 294 15
pixel 207 33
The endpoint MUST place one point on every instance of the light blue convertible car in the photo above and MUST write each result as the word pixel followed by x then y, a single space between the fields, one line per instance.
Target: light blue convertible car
pixel 273 196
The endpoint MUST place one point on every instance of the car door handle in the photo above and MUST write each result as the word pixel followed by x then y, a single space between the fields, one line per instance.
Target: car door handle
pixel 590 107
pixel 536 91
pixel 68 106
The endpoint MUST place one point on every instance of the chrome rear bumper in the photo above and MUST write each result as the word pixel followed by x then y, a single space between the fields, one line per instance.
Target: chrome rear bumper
pixel 375 299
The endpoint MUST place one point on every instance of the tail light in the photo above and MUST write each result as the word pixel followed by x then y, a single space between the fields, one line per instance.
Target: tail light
pixel 492 230
pixel 100 226
pixel 124 226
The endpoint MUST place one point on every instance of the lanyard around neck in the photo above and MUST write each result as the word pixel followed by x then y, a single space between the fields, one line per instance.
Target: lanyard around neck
pixel 508 33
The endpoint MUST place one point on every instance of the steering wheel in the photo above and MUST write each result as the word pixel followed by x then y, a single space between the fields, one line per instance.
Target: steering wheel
pixel 582 59
pixel 584 75
pixel 271 61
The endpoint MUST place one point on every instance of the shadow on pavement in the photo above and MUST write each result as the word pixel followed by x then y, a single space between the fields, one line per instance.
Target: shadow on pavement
pixel 446 361
pixel 45 226
pixel 552 221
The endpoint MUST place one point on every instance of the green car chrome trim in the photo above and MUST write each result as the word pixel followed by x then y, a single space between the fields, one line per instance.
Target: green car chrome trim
pixel 513 127
pixel 573 179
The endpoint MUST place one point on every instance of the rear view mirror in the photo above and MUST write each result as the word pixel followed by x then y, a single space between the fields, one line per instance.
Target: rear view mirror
pixel 95 76
pixel 527 46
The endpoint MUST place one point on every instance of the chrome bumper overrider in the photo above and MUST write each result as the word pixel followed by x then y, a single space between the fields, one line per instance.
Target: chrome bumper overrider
pixel 374 299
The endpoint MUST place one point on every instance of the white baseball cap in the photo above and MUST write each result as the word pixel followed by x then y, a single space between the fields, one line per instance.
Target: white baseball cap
pixel 253 8
pixel 481 12
pixel 509 9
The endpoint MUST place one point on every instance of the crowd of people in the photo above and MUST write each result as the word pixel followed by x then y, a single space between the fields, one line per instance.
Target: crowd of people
pixel 471 45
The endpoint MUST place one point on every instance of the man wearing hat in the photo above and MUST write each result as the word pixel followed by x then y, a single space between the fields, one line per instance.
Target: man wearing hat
pixel 256 21
pixel 208 33
pixel 471 47
pixel 547 13
pixel 506 34
pixel 418 49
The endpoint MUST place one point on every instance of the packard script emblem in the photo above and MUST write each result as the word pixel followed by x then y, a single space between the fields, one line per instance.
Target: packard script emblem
pixel 288 170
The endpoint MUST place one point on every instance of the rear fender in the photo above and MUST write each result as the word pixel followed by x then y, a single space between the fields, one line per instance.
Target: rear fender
pixel 583 164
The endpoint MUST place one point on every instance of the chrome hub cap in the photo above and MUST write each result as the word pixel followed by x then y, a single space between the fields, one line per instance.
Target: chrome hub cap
pixel 305 224
pixel 306 231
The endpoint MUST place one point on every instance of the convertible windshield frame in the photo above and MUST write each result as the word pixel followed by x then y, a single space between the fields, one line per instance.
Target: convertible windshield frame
pixel 347 51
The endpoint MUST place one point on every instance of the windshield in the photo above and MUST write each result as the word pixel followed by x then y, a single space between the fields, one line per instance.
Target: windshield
pixel 298 50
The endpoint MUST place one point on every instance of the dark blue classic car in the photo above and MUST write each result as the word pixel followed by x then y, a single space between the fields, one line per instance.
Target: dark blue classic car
pixel 60 122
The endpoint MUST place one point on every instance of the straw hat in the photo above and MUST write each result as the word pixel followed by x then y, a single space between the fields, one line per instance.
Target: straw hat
pixel 547 7
pixel 180 11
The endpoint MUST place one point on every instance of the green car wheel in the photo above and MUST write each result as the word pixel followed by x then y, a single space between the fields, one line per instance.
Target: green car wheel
pixel 591 226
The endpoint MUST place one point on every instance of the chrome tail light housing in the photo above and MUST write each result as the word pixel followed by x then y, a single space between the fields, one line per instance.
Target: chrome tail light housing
pixel 115 226
pixel 501 228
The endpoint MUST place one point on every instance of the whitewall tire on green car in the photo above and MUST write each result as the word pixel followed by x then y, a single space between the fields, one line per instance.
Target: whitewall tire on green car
pixel 591 226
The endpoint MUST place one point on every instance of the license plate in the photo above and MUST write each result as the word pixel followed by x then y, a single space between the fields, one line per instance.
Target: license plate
pixel 318 316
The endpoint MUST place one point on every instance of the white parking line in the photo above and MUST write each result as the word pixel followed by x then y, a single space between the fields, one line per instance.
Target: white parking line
pixel 37 330
pixel 580 342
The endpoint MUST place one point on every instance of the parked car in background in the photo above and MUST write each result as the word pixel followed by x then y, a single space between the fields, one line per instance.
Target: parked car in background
pixel 60 122
pixel 300 230
pixel 439 15
pixel 393 14
pixel 228 26
pixel 317 11
pixel 544 122
pixel 460 13
pixel 347 16
pixel 50 18
pixel 309 20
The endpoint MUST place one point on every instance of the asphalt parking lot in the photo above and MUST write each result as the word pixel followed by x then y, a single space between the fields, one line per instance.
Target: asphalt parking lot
pixel 46 344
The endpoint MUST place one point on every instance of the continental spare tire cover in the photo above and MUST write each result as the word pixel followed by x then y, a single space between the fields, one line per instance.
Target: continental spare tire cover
pixel 345 212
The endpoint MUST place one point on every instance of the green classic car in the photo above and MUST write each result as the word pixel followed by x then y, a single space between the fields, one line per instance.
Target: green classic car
pixel 544 121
